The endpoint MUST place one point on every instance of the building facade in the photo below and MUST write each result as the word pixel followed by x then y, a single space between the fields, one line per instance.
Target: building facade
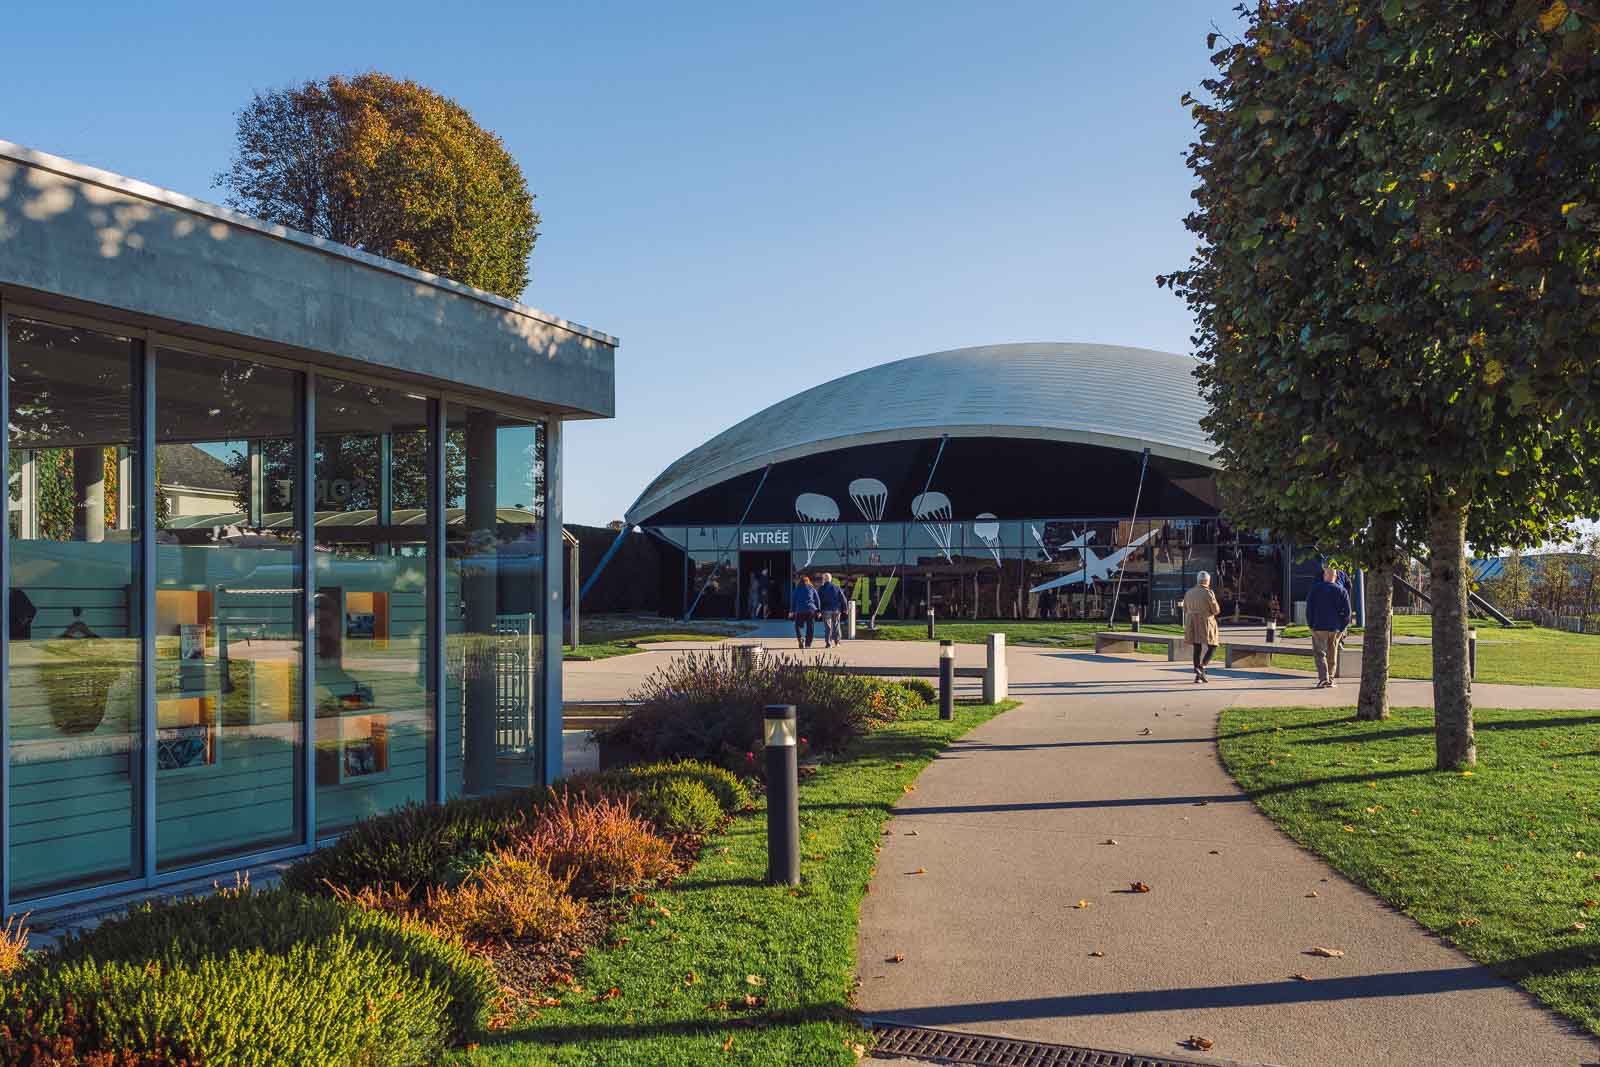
pixel 1020 481
pixel 277 519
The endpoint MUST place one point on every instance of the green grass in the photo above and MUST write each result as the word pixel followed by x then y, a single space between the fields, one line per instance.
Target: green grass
pixel 719 924
pixel 1502 861
pixel 1524 655
pixel 605 636
pixel 1056 634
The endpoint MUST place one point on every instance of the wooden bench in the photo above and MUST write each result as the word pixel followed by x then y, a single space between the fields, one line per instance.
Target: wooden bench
pixel 1128 641
pixel 1260 653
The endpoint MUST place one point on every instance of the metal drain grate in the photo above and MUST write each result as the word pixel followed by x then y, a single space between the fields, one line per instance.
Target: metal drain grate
pixel 950 1046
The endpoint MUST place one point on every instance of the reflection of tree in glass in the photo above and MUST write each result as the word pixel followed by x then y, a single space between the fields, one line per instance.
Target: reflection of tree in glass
pixel 349 472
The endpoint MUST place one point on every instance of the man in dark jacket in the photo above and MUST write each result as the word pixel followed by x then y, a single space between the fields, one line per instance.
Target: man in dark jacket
pixel 803 608
pixel 832 600
pixel 1328 613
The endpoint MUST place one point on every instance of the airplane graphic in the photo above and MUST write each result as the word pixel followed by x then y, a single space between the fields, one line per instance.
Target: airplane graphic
pixel 1095 568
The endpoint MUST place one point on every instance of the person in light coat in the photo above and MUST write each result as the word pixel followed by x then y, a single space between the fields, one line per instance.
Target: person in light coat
pixel 1200 611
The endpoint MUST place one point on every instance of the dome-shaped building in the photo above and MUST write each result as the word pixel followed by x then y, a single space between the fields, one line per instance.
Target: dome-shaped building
pixel 991 482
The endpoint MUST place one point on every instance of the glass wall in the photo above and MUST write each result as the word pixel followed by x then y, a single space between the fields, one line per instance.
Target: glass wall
pixel 76 627
pixel 494 589
pixel 374 703
pixel 228 608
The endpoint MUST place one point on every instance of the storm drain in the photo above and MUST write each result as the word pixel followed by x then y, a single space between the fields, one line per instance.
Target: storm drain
pixel 950 1046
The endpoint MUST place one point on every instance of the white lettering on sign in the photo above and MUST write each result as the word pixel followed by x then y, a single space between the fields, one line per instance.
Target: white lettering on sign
pixel 765 537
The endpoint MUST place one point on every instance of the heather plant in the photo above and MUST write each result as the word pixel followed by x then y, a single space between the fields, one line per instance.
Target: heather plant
pixel 514 895
pixel 597 843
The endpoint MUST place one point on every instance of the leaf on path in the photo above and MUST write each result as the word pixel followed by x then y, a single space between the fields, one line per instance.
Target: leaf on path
pixel 1138 887
pixel 1082 904
pixel 1215 852
pixel 898 957
pixel 919 870
pixel 911 833
pixel 1145 732
pixel 910 788
pixel 1327 953
pixel 1301 977
pixel 1311 894
pixel 1097 954
pixel 1200 1044
pixel 1109 841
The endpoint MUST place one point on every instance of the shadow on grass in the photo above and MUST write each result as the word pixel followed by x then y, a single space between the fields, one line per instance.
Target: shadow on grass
pixel 558 1035
pixel 1480 725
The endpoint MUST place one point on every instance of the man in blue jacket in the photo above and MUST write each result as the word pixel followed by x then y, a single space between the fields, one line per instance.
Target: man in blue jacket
pixel 803 608
pixel 832 600
pixel 1328 613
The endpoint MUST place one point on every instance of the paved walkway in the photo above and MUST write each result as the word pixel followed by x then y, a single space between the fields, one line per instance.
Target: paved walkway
pixel 1011 826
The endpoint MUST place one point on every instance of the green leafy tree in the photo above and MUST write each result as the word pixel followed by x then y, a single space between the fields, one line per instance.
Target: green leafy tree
pixel 1398 225
pixel 390 167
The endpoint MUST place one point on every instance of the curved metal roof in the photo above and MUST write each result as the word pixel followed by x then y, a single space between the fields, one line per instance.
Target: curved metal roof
pixel 1129 398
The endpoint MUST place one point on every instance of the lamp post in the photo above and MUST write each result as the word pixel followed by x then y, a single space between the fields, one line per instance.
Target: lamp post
pixel 947 679
pixel 1133 617
pixel 930 622
pixel 1472 652
pixel 783 795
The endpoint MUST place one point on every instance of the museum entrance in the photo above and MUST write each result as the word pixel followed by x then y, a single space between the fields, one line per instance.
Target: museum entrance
pixel 763 585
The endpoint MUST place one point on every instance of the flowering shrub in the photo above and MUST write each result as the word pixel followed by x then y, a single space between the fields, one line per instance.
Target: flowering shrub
pixel 513 895
pixel 597 843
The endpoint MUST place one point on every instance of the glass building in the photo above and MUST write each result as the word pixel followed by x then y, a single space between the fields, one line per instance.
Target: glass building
pixel 277 517
pixel 1021 481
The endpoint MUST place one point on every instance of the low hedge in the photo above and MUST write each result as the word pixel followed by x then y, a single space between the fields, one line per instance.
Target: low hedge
pixel 333 1002
pixel 181 934
pixel 732 794
pixel 679 806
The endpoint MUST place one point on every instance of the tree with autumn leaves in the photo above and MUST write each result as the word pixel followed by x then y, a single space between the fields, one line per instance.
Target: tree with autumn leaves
pixel 390 167
pixel 1397 286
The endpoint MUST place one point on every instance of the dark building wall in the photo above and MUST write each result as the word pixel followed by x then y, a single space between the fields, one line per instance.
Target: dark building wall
pixel 633 580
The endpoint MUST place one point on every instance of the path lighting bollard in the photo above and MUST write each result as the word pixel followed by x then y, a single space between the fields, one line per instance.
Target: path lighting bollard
pixel 1272 632
pixel 1133 616
pixel 947 679
pixel 1472 652
pixel 783 796
pixel 850 620
pixel 930 623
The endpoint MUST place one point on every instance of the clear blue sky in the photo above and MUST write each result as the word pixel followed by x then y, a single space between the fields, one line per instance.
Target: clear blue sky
pixel 755 201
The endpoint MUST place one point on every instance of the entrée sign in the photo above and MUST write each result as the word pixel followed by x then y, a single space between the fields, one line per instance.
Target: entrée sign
pixel 777 537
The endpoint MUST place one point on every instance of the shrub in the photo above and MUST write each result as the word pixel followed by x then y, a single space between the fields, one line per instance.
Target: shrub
pixel 598 843
pixel 925 691
pixel 182 933
pixel 334 1002
pixel 702 705
pixel 679 806
pixel 888 701
pixel 412 846
pixel 513 895
pixel 731 793
pixel 13 944
pixel 71 1043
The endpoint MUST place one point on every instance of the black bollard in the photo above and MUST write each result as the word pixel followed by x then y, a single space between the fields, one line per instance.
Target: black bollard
pixel 1272 632
pixel 783 796
pixel 1472 652
pixel 947 679
pixel 1133 619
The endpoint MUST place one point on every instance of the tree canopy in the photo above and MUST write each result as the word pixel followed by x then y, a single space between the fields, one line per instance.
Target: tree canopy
pixel 1399 254
pixel 390 167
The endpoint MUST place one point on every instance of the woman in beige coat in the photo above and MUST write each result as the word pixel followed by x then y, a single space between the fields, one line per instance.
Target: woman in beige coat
pixel 1200 611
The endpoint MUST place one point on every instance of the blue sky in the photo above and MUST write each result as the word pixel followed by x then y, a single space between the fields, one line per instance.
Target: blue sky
pixel 754 200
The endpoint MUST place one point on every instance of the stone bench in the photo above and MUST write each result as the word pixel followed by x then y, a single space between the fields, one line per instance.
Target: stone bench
pixel 1128 641
pixel 1260 653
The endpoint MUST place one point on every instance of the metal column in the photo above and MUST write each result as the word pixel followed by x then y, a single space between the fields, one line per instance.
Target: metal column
pixel 305 518
pixel 438 625
pixel 147 603
pixel 547 726
pixel 5 612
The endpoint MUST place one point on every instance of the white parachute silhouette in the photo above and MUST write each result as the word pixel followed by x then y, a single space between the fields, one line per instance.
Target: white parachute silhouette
pixel 933 511
pixel 988 531
pixel 818 513
pixel 869 496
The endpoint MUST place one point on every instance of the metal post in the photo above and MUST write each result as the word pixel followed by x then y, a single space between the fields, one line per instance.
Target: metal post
pixel 930 623
pixel 438 625
pixel 548 711
pixel 947 680
pixel 850 620
pixel 1272 631
pixel 1133 617
pixel 783 795
pixel 1472 652
pixel 996 685
pixel 5 605
pixel 304 508
pixel 147 605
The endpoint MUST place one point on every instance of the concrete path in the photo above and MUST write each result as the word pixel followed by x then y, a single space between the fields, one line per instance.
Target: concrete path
pixel 1012 827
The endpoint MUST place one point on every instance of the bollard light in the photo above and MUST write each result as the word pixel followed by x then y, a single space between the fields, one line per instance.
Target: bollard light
pixel 947 679
pixel 780 735
pixel 1133 615
pixel 1472 652
pixel 930 622
pixel 1272 631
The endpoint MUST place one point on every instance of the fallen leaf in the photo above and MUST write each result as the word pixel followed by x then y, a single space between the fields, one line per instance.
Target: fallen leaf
pixel 691 978
pixel 910 788
pixel 899 765
pixel 757 980
pixel 911 833
pixel 1145 732
pixel 611 994
pixel 859 1049
pixel 1468 920
pixel 920 870
pixel 1199 1043
pixel 1347 828
pixel 898 957
pixel 1301 977
pixel 727 1046
pixel 1580 926
pixel 1215 852
pixel 1081 904
pixel 1466 774
pixel 1109 841
pixel 1329 953
pixel 1311 894
pixel 1138 887
pixel 1097 954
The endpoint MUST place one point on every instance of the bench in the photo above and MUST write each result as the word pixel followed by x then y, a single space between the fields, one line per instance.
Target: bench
pixel 1127 641
pixel 1259 654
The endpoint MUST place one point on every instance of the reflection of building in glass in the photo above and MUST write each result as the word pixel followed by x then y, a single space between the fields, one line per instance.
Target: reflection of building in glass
pixel 995 482
pixel 276 535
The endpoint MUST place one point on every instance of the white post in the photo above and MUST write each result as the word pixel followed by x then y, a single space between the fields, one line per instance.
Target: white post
pixel 995 681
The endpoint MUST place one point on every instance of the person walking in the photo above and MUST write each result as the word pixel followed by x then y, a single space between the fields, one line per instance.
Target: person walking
pixel 1200 611
pixel 831 598
pixel 1328 613
pixel 803 608
pixel 1342 580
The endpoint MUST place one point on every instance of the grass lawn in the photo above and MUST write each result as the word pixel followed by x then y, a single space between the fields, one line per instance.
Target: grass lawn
pixel 1057 634
pixel 1503 861
pixel 693 952
pixel 1525 655
pixel 605 636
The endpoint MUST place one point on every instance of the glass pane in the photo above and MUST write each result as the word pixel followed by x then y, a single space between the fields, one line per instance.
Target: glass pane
pixel 374 706
pixel 494 575
pixel 228 609
pixel 76 632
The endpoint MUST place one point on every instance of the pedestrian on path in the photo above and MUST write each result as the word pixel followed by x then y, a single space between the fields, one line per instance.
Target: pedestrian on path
pixel 803 608
pixel 831 598
pixel 1200 611
pixel 1328 612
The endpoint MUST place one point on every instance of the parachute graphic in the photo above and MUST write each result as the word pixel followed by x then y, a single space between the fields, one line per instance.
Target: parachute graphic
pixel 1040 540
pixel 818 513
pixel 869 496
pixel 933 511
pixel 988 531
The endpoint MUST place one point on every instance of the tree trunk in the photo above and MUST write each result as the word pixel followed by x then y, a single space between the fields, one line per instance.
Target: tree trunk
pixel 1453 741
pixel 1373 704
